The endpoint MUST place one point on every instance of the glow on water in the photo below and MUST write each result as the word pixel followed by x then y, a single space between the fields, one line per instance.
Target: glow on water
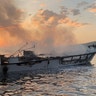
pixel 70 81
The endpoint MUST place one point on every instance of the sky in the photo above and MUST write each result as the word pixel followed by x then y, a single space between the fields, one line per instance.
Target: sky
pixel 49 24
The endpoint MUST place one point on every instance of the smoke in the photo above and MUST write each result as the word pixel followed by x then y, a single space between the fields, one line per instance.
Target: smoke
pixel 10 19
pixel 71 50
pixel 51 31
pixel 48 29
pixel 9 15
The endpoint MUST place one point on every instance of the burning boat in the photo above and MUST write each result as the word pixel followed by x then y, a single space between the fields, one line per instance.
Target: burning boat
pixel 30 61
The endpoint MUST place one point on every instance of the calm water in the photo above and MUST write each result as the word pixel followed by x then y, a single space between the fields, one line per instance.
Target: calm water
pixel 69 81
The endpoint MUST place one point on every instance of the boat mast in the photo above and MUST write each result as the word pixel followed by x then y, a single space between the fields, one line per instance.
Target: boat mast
pixel 19 50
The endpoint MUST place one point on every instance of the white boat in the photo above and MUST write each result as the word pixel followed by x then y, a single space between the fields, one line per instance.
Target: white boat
pixel 29 61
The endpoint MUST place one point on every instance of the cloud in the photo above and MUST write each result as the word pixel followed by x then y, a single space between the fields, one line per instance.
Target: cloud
pixel 42 5
pixel 9 15
pixel 46 27
pixel 75 12
pixel 83 3
pixel 51 30
pixel 92 8
pixel 64 10
pixel 10 19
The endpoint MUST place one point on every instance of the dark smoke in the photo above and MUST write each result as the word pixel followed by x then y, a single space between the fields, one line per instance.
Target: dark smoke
pixel 10 19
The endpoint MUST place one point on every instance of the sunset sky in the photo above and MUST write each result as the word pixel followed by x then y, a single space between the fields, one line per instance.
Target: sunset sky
pixel 48 23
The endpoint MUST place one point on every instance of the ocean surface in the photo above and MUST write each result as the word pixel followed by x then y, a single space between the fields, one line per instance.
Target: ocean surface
pixel 68 81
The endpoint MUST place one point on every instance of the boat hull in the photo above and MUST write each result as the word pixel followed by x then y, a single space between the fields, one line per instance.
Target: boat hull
pixel 26 63
pixel 51 63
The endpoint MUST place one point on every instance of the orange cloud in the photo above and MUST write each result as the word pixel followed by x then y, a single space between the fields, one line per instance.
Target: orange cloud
pixel 42 5
pixel 93 10
pixel 11 32
pixel 6 40
pixel 69 22
pixel 2 42
pixel 44 25
pixel 45 28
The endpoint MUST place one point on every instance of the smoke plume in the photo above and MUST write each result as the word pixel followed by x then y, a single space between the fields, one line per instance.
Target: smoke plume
pixel 10 19
pixel 51 31
pixel 48 29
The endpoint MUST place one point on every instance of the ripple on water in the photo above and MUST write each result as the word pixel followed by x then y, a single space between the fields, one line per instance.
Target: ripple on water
pixel 73 81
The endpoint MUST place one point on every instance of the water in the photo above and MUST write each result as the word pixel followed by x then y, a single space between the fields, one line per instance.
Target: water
pixel 69 81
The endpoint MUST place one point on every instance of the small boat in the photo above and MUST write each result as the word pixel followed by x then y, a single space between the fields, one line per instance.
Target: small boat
pixel 30 61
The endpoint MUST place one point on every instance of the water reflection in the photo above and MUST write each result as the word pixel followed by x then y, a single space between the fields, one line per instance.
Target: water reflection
pixel 72 81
